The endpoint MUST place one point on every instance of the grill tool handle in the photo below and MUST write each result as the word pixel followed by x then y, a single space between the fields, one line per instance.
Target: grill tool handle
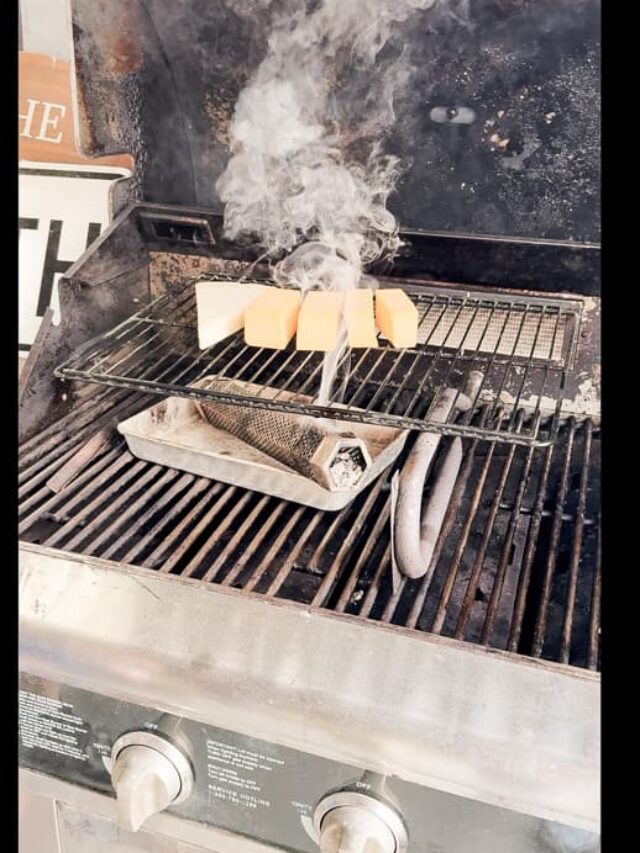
pixel 415 535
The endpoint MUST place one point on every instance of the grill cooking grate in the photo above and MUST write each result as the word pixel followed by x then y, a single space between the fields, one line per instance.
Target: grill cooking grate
pixel 523 346
pixel 517 566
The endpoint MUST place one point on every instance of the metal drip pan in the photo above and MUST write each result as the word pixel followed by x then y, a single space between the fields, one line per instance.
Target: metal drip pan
pixel 172 433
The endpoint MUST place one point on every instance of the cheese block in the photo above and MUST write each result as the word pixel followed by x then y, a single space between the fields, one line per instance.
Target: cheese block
pixel 319 321
pixel 221 308
pixel 271 321
pixel 397 317
pixel 358 315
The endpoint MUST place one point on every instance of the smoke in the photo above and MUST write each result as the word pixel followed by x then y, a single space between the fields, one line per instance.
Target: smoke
pixel 308 175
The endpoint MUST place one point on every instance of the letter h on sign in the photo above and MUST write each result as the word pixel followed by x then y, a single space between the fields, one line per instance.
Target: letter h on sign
pixel 49 119
pixel 52 263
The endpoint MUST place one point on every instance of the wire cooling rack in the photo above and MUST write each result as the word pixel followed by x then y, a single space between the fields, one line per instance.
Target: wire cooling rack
pixel 523 347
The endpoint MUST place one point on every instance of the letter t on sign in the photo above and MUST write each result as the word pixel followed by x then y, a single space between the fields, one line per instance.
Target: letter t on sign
pixel 53 265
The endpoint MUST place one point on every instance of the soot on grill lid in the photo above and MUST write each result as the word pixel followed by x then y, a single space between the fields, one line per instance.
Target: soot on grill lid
pixel 499 122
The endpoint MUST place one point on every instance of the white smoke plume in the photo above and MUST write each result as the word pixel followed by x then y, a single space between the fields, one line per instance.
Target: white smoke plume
pixel 292 179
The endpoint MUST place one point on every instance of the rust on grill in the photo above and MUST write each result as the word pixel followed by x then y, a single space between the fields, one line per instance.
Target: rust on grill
pixel 516 566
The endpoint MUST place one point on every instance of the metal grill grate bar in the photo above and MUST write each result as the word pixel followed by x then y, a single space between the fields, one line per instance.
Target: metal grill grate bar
pixel 84 415
pixel 135 525
pixel 339 562
pixel 174 511
pixel 190 539
pixel 278 544
pixel 576 549
pixel 594 625
pixel 445 596
pixel 126 519
pixel 532 540
pixel 538 638
pixel 237 537
pixel 278 580
pixel 496 592
pixel 269 524
pixel 46 502
pixel 472 586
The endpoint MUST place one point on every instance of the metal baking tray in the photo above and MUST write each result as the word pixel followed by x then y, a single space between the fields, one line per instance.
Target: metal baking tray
pixel 172 433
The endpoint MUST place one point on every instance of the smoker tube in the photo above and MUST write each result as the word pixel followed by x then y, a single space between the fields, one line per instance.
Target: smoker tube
pixel 317 448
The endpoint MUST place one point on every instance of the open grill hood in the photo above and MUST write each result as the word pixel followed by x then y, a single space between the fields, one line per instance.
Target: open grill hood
pixel 499 124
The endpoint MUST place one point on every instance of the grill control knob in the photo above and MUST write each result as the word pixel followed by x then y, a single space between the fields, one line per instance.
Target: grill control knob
pixel 352 822
pixel 148 773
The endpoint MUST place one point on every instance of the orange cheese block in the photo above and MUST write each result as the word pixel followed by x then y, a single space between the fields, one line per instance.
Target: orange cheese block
pixel 319 321
pixel 271 320
pixel 358 315
pixel 397 317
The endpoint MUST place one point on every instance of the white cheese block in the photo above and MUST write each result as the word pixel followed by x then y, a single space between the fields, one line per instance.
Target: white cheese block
pixel 221 307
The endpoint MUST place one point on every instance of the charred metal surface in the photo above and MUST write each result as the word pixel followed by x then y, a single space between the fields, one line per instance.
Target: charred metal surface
pixel 160 81
pixel 109 104
pixel 528 162
pixel 35 352
pixel 536 265
pixel 171 271
pixel 515 263
pixel 105 286
pixel 583 382
pixel 498 126
pixel 121 195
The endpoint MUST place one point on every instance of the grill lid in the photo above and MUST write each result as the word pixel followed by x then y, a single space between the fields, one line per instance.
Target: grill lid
pixel 500 120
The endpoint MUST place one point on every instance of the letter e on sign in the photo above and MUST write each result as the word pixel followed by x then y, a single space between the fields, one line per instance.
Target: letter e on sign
pixel 51 120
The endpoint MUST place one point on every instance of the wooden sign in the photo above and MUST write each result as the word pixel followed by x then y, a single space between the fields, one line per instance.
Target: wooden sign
pixel 45 114
pixel 63 196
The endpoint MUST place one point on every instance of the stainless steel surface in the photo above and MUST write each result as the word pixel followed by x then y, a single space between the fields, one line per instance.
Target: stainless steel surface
pixel 495 727
pixel 173 434
pixel 149 773
pixel 565 839
pixel 52 810
pixel 354 822
pixel 37 826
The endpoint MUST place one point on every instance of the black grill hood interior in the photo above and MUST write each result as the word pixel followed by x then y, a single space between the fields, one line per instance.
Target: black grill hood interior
pixel 160 80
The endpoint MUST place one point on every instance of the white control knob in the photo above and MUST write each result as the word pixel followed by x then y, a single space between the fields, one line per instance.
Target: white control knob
pixel 148 773
pixel 348 829
pixel 352 822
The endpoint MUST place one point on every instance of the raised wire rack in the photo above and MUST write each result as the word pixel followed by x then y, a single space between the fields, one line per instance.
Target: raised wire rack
pixel 522 345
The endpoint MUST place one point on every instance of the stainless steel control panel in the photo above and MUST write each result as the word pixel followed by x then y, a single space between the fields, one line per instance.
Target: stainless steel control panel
pixel 298 802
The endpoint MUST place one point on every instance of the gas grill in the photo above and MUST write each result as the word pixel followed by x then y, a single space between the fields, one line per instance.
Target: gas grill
pixel 263 661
